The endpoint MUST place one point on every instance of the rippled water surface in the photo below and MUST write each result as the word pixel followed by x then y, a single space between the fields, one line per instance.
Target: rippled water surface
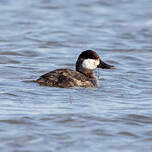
pixel 37 36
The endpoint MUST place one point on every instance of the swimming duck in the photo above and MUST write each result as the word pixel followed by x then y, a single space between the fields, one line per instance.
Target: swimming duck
pixel 86 63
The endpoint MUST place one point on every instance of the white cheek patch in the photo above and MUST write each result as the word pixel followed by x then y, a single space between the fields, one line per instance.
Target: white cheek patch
pixel 90 64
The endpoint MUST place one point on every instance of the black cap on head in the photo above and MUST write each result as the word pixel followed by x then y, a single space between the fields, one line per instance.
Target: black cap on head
pixel 88 54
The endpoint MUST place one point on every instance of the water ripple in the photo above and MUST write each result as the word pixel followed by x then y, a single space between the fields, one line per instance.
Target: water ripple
pixel 37 36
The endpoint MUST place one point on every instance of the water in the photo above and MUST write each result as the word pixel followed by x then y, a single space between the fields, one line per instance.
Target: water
pixel 37 36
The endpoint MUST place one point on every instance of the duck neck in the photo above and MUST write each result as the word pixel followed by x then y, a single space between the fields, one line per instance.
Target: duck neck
pixel 88 73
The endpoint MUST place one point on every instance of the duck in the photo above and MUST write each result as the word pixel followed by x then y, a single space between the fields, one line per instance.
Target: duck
pixel 83 76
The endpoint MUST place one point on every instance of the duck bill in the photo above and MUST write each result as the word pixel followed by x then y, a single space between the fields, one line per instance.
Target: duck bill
pixel 105 65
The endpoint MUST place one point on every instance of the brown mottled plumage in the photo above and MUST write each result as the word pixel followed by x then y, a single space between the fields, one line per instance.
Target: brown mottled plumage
pixel 65 78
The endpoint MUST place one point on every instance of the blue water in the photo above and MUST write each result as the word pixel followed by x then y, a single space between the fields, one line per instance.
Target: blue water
pixel 37 36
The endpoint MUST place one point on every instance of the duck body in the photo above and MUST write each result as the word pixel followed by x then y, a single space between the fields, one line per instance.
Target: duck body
pixel 65 78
